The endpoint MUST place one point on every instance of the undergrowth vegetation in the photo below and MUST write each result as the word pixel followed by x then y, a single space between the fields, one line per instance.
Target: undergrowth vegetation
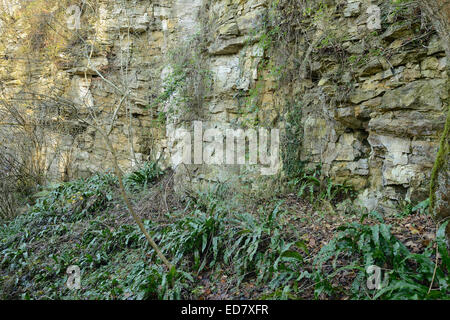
pixel 407 275
pixel 84 223
pixel 311 184
pixel 143 177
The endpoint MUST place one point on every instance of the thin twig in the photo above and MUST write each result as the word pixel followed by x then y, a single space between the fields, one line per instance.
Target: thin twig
pixel 435 269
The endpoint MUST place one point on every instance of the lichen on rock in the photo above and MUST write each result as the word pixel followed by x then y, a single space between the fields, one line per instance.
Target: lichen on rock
pixel 372 99
pixel 440 179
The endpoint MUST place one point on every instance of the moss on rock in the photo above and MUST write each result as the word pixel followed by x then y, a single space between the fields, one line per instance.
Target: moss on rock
pixel 439 197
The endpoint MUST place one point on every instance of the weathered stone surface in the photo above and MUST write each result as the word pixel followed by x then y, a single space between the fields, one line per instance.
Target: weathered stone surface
pixel 373 123
pixel 435 46
pixel 225 47
pixel 412 123
pixel 352 9
pixel 440 179
pixel 418 95
pixel 396 31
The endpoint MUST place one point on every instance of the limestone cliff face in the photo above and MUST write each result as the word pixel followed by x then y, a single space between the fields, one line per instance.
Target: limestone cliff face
pixel 364 98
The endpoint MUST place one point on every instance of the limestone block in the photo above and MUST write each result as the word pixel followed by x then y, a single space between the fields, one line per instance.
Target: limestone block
pixel 407 123
pixel 228 30
pixel 431 63
pixel 435 46
pixel 424 95
pixel 226 73
pixel 186 12
pixel 400 175
pixel 396 31
pixel 423 153
pixel 360 95
pixel 226 47
pixel 345 150
pixel 353 8
pixel 251 21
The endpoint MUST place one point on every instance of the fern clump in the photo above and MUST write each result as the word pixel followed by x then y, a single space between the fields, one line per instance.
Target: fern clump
pixel 406 275
pixel 143 177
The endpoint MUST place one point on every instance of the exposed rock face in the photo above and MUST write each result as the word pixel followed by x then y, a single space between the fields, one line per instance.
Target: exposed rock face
pixel 372 100
pixel 383 136
pixel 439 193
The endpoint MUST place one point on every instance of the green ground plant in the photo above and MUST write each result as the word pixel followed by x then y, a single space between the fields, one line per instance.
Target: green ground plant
pixel 81 223
pixel 143 177
pixel 407 275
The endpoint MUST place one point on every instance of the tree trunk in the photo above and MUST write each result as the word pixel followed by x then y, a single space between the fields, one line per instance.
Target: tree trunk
pixel 438 12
